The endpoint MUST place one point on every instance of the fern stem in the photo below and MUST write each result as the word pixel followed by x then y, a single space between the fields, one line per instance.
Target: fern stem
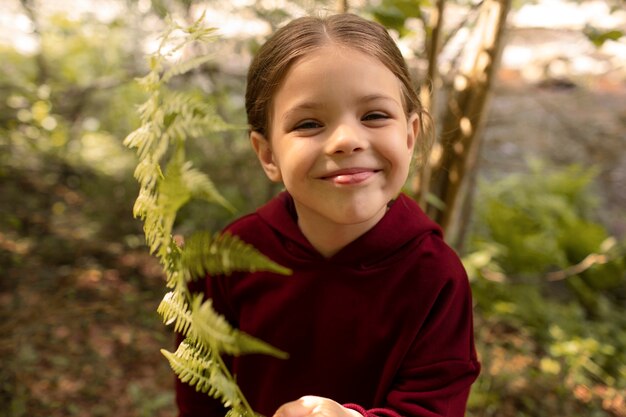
pixel 226 371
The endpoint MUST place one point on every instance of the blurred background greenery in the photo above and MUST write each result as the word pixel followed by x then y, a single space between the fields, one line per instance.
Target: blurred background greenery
pixel 543 243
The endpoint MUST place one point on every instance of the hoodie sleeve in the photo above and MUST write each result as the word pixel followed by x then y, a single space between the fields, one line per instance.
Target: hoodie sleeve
pixel 434 379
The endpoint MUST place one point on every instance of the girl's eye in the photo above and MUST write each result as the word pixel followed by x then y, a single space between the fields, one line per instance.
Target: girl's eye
pixel 307 125
pixel 375 116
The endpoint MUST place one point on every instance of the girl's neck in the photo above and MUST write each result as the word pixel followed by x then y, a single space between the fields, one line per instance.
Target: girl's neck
pixel 328 237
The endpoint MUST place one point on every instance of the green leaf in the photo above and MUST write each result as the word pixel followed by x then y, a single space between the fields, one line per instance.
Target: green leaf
pixel 174 310
pixel 172 191
pixel 186 66
pixel 194 367
pixel 393 13
pixel 211 329
pixel 598 36
pixel 222 254
pixel 168 120
pixel 201 187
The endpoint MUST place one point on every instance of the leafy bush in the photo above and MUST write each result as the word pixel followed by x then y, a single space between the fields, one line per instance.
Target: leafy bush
pixel 550 289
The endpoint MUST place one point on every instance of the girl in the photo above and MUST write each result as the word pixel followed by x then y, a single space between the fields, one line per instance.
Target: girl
pixel 377 316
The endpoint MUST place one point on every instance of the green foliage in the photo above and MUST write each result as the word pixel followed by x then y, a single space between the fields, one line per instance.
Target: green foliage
pixel 599 36
pixel 540 220
pixel 204 254
pixel 550 286
pixel 394 13
pixel 168 182
pixel 64 105
pixel 196 369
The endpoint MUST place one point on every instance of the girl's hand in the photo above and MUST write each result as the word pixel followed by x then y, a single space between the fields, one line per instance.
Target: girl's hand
pixel 311 406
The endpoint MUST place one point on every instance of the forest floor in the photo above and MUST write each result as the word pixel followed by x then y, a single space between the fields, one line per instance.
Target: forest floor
pixel 80 333
pixel 78 294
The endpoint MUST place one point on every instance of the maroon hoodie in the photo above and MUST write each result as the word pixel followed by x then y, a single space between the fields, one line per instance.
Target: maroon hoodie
pixel 384 326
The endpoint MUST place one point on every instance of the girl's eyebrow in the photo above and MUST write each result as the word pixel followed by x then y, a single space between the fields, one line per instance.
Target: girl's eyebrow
pixel 375 97
pixel 305 105
pixel 312 105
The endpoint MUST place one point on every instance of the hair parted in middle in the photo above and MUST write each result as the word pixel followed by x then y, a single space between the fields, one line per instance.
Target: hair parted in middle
pixel 306 34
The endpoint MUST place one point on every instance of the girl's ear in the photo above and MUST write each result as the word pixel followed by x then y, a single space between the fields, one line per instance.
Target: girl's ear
pixel 412 131
pixel 264 152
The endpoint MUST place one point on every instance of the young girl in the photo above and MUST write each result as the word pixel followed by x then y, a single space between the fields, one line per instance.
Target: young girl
pixel 377 316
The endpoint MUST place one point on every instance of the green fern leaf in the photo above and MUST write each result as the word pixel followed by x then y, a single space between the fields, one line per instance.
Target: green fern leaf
pixel 168 120
pixel 213 330
pixel 148 173
pixel 144 204
pixel 240 412
pixel 185 66
pixel 174 310
pixel 204 254
pixel 150 81
pixel 147 109
pixel 137 137
pixel 208 123
pixel 201 187
pixel 194 367
pixel 173 193
pixel 189 116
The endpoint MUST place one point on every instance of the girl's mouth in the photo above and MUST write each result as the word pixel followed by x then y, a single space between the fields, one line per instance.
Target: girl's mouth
pixel 350 176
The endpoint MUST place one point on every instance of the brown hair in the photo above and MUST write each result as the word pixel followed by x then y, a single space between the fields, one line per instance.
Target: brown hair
pixel 306 34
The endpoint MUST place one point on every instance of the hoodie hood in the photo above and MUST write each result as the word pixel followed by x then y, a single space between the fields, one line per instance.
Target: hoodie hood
pixel 404 225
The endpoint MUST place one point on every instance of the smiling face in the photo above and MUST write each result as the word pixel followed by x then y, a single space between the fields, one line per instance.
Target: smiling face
pixel 340 140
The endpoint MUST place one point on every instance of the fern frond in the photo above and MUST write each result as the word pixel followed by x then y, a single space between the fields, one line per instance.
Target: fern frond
pixel 199 126
pixel 196 368
pixel 172 267
pixel 144 204
pixel 174 310
pixel 172 191
pixel 200 33
pixel 185 66
pixel 149 107
pixel 222 254
pixel 147 173
pixel 137 137
pixel 167 182
pixel 238 411
pixel 201 187
pixel 211 329
pixel 150 81
pixel 194 33
pixel 189 116
pixel 144 140
pixel 205 327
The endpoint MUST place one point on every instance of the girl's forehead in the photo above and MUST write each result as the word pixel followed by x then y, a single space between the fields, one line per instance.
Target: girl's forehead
pixel 339 58
pixel 332 49
pixel 332 72
pixel 336 56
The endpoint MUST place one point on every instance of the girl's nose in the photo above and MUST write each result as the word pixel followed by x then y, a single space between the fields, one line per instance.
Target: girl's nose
pixel 345 139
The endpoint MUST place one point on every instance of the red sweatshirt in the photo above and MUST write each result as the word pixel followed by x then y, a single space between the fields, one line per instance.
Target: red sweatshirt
pixel 384 326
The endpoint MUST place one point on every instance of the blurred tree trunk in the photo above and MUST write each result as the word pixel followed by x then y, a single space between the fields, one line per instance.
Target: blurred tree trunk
pixel 42 66
pixel 446 178
pixel 429 89
pixel 342 6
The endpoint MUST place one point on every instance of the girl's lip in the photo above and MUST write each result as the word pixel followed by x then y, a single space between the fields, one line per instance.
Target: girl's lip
pixel 350 175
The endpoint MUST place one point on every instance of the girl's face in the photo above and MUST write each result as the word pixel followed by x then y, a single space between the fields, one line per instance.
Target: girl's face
pixel 340 140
